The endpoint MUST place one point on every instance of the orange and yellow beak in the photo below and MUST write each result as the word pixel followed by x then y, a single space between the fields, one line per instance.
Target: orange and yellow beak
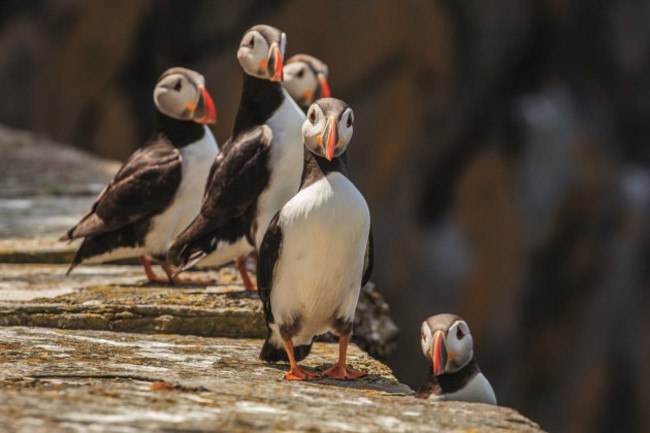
pixel 324 86
pixel 204 110
pixel 330 137
pixel 439 353
pixel 275 63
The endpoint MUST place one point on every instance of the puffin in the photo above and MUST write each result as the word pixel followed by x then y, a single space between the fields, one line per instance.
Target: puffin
pixel 158 190
pixel 447 343
pixel 258 168
pixel 317 251
pixel 305 78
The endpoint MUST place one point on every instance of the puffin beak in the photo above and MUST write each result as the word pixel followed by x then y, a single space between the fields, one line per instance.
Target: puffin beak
pixel 204 110
pixel 330 137
pixel 324 87
pixel 439 353
pixel 275 63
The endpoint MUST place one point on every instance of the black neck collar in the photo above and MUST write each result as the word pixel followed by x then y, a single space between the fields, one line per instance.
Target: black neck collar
pixel 316 167
pixel 259 100
pixel 179 132
pixel 449 382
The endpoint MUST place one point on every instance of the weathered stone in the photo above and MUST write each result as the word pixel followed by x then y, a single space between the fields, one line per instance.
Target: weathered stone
pixel 46 249
pixel 117 298
pixel 54 380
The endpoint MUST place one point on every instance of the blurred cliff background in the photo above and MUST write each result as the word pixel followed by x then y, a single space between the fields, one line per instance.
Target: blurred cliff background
pixel 503 147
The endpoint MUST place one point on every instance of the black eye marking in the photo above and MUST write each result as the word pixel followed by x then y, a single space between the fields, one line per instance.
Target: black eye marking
pixel 459 333
pixel 422 335
pixel 251 43
pixel 312 116
pixel 178 85
pixel 301 73
pixel 350 120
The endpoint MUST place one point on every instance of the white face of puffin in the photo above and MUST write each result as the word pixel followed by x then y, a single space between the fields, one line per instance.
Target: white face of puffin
pixel 180 93
pixel 447 342
pixel 328 127
pixel 260 57
pixel 306 80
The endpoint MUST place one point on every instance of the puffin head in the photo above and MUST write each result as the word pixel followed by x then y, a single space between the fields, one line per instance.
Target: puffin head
pixel 261 52
pixel 447 343
pixel 180 93
pixel 305 78
pixel 328 127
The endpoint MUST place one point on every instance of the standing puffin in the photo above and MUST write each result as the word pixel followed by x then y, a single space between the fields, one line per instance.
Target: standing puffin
pixel 158 190
pixel 305 78
pixel 317 251
pixel 447 343
pixel 259 167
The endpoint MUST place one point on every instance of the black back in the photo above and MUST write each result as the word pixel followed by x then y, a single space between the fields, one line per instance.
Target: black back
pixel 259 100
pixel 180 133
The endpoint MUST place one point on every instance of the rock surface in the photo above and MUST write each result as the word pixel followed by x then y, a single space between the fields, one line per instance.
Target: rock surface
pixel 116 298
pixel 70 370
pixel 55 380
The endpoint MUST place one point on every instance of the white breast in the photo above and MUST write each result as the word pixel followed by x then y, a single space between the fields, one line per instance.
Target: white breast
pixel 287 152
pixel 324 236
pixel 477 390
pixel 196 159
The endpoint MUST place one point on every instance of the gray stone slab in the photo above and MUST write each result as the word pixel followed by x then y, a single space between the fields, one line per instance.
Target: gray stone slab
pixel 33 166
pixel 118 298
pixel 45 187
pixel 88 381
pixel 40 249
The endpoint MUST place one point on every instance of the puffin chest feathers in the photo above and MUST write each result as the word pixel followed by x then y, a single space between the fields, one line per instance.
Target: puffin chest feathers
pixel 196 160
pixel 318 276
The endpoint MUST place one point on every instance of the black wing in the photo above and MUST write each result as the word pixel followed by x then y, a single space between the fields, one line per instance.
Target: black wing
pixel 368 261
pixel 144 186
pixel 237 178
pixel 267 258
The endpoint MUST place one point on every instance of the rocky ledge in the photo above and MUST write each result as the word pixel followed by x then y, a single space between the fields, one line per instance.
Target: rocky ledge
pixel 103 351
pixel 70 380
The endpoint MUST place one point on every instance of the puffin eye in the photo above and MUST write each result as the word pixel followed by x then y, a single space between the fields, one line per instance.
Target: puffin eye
pixel 459 333
pixel 178 85
pixel 301 73
pixel 350 120
pixel 422 335
pixel 251 42
pixel 312 116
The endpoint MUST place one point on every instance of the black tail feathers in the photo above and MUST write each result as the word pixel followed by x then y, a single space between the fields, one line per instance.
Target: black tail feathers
pixel 269 353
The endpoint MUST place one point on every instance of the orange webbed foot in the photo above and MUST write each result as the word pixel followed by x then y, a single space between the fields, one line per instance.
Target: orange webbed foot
pixel 341 372
pixel 301 374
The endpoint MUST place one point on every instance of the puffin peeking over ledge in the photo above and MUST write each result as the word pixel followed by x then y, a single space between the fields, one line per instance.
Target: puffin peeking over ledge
pixel 448 344
pixel 317 251
pixel 158 190
pixel 259 166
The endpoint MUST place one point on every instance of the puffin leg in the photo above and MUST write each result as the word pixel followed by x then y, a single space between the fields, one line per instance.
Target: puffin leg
pixel 175 279
pixel 246 278
pixel 151 275
pixel 340 370
pixel 296 372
